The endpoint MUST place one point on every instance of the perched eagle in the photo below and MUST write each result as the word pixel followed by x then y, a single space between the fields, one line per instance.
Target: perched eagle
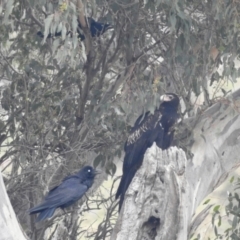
pixel 148 128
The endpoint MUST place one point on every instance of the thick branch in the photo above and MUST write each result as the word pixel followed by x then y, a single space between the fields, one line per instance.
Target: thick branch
pixel 153 199
pixel 9 227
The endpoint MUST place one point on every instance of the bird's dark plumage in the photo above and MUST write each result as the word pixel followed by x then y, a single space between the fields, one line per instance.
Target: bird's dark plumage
pixel 68 192
pixel 148 128
pixel 96 29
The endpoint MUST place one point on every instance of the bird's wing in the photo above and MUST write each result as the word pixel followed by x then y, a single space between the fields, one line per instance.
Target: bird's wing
pixel 140 120
pixel 143 128
pixel 68 192
pixel 67 177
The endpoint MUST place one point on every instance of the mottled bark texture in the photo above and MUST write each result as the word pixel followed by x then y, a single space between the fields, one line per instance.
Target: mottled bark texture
pixel 163 196
pixel 9 227
pixel 152 202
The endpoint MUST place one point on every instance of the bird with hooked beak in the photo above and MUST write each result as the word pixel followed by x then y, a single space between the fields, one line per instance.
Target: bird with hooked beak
pixel 148 128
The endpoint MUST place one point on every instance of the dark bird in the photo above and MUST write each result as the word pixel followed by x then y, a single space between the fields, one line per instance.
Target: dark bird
pixel 148 128
pixel 68 192
pixel 96 29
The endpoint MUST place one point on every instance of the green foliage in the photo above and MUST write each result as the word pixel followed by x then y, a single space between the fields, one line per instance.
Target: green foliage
pixel 232 211
pixel 225 218
pixel 207 201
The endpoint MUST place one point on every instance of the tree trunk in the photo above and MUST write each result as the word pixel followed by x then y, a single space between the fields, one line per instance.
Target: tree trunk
pixel 167 189
pixel 9 227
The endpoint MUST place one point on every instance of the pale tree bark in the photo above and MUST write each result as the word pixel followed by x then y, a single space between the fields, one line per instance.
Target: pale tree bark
pixel 163 196
pixel 9 226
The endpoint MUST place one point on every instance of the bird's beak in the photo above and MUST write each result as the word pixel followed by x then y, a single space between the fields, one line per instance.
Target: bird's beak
pixel 162 98
pixel 165 98
pixel 96 172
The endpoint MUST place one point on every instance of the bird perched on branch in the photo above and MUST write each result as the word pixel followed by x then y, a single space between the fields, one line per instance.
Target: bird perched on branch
pixel 96 29
pixel 67 193
pixel 148 128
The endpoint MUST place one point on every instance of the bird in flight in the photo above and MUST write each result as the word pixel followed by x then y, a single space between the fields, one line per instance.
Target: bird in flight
pixel 71 189
pixel 148 128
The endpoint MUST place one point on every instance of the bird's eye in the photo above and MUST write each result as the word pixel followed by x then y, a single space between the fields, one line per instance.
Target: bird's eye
pixel 89 170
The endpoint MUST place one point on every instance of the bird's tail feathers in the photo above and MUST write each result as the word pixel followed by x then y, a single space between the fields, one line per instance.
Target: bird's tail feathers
pixel 37 209
pixel 119 190
pixel 123 186
pixel 47 213
pixel 133 162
